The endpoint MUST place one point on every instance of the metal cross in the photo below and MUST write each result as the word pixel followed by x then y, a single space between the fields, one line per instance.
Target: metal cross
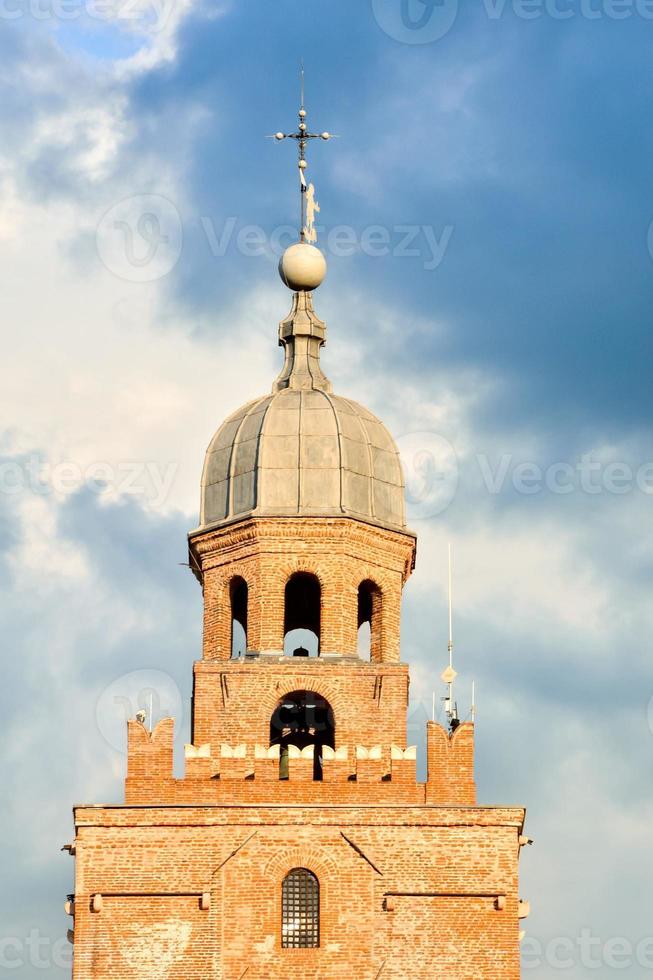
pixel 302 137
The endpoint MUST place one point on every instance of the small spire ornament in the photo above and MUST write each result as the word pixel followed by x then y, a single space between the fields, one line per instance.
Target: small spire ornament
pixel 309 205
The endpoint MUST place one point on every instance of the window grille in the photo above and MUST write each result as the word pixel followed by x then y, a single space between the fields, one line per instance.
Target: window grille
pixel 300 910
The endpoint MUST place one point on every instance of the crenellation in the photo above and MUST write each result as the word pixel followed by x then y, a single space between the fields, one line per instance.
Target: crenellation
pixel 300 764
pixel 266 763
pixel 198 762
pixel 450 764
pixel 236 762
pixel 150 754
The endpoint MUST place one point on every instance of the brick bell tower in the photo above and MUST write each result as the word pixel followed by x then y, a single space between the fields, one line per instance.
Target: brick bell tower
pixel 299 843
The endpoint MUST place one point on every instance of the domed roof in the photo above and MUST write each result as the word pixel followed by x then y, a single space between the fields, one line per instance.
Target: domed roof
pixel 302 451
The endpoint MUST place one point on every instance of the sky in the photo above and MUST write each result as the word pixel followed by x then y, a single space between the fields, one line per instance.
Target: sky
pixel 486 213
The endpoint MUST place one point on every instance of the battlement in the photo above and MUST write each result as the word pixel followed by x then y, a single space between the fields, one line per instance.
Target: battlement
pixel 450 764
pixel 247 771
pixel 150 753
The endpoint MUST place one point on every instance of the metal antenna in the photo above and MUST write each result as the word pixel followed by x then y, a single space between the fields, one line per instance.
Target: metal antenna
pixel 450 644
pixel 308 205
pixel 449 675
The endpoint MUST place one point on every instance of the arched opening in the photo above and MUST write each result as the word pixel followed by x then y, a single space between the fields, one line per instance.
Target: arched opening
pixel 364 642
pixel 302 718
pixel 238 599
pixel 302 614
pixel 369 621
pixel 300 910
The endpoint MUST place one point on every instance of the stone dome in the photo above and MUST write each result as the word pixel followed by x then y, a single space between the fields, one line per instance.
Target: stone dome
pixel 302 451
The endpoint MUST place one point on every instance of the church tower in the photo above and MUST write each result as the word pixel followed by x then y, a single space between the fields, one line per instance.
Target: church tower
pixel 299 843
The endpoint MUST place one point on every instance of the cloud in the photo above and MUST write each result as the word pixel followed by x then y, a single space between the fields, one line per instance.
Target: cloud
pixel 74 628
pixel 528 343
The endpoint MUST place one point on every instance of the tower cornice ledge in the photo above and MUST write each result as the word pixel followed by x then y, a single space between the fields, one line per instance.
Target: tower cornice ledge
pixel 329 814
pixel 215 545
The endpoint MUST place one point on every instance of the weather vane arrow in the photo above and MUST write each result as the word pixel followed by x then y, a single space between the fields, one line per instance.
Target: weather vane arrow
pixel 309 206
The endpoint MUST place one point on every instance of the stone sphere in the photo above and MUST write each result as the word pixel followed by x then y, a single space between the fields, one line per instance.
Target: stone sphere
pixel 302 267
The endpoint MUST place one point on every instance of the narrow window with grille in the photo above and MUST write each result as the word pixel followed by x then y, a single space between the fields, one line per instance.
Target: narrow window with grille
pixel 300 910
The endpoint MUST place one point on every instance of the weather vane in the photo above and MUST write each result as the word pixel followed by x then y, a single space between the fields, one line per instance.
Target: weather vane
pixel 309 206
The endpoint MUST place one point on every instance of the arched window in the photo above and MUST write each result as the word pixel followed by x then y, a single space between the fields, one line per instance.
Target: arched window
pixel 300 910
pixel 302 718
pixel 302 613
pixel 369 621
pixel 238 600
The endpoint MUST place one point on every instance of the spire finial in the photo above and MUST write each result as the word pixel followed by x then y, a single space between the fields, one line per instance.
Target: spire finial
pixel 302 334
pixel 308 205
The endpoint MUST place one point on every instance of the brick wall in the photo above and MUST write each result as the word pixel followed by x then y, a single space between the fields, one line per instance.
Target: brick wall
pixel 234 701
pixel 413 889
